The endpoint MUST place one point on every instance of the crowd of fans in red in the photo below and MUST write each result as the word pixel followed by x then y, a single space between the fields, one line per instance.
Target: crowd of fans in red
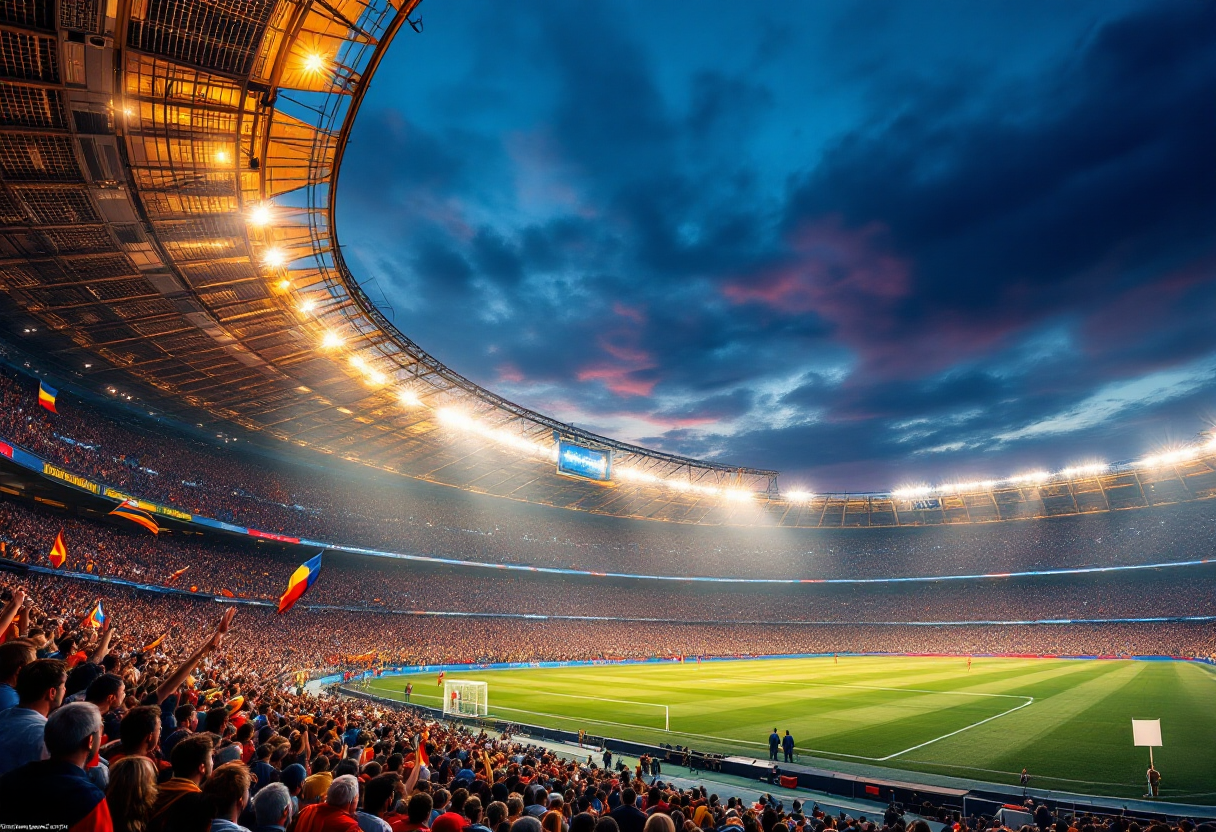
pixel 396 514
pixel 176 715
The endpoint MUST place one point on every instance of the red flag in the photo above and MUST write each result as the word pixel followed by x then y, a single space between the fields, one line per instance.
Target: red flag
pixel 59 551
pixel 227 593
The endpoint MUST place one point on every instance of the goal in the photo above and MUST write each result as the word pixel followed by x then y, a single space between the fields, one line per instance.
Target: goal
pixel 465 698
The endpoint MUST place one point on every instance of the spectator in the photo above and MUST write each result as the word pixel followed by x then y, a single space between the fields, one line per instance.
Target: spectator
pixel 191 762
pixel 228 788
pixel 14 655
pixel 272 808
pixel 132 794
pixel 39 692
pixel 337 813
pixel 57 790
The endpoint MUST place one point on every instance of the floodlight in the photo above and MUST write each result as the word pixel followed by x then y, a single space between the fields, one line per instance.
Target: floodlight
pixel 314 62
pixel 260 215
pixel 331 340
pixel 274 258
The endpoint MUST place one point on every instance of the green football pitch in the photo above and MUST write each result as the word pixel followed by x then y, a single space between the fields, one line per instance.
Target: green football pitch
pixel 1068 722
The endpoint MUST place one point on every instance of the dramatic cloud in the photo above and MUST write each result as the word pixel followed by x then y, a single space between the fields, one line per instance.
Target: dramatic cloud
pixel 864 244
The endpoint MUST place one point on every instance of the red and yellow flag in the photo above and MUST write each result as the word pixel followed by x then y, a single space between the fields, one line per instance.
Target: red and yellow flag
pixel 152 645
pixel 59 551
pixel 130 510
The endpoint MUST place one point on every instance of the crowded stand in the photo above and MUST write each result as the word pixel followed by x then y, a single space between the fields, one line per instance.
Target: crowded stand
pixel 203 731
pixel 206 564
pixel 396 514
pixel 321 638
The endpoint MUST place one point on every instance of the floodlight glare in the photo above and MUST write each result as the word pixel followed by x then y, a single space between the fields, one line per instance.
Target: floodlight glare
pixel 274 258
pixel 260 215
pixel 331 340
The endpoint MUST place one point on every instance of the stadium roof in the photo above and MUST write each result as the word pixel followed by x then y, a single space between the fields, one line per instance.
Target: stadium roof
pixel 168 199
pixel 167 203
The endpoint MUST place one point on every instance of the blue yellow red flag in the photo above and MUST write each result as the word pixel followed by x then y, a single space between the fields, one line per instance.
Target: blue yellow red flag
pixel 299 582
pixel 46 396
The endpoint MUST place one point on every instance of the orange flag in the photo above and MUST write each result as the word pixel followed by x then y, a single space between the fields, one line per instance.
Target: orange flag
pixel 59 552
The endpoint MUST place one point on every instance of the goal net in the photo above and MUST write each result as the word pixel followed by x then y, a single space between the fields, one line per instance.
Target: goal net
pixel 466 698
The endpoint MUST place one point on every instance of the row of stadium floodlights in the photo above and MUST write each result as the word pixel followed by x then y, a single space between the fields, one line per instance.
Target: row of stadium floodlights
pixel 589 463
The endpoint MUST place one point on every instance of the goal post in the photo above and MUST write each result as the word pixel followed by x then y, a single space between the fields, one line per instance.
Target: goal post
pixel 465 698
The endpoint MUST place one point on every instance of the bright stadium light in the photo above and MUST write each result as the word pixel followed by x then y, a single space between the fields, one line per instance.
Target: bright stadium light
pixel 223 157
pixel 284 285
pixel 331 340
pixel 1080 471
pixel 455 418
pixel 274 258
pixel 260 215
pixel 314 62
pixel 911 492
pixel 307 306
pixel 1170 457
pixel 408 398
pixel 738 495
pixel 799 496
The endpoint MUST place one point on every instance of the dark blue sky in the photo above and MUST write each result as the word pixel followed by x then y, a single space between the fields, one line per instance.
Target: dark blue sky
pixel 866 244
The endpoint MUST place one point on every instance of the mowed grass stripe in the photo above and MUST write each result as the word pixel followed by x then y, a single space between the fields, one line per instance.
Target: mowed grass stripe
pixel 1074 732
pixel 1018 740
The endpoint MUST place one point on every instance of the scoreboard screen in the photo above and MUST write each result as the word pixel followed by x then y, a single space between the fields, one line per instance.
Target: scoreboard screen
pixel 587 463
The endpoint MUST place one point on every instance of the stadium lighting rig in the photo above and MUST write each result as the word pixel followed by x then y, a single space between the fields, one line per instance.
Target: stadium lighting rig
pixel 331 340
pixel 645 478
pixel 455 418
pixel 1172 456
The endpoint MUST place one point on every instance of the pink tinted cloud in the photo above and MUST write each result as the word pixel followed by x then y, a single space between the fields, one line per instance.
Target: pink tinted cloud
pixel 846 277
pixel 630 373
pixel 509 372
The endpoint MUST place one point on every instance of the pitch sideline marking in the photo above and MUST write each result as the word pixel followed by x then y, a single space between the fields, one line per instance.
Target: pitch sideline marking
pixel 1029 701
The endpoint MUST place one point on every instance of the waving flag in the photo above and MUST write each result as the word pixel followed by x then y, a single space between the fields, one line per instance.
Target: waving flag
pixel 97 617
pixel 152 645
pixel 46 396
pixel 130 510
pixel 59 551
pixel 300 581
pixel 177 574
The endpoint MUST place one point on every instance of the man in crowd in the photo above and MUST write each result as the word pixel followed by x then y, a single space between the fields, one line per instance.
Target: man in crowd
pixel 337 813
pixel 774 742
pixel 39 692
pixel 272 808
pixel 57 791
